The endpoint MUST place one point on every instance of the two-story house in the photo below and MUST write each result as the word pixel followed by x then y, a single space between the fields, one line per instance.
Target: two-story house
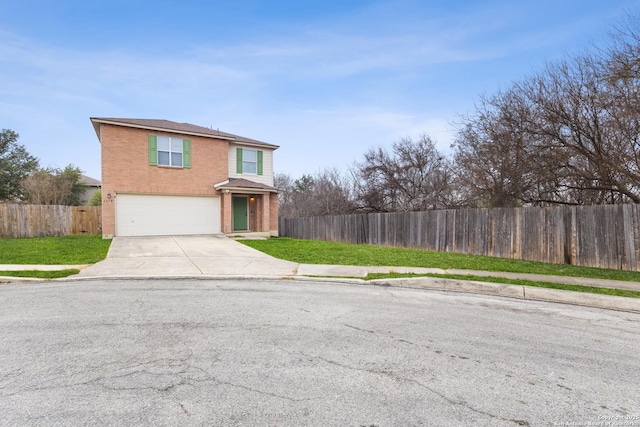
pixel 165 178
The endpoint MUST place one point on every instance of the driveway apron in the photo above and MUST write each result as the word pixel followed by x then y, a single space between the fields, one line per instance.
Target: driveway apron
pixel 211 255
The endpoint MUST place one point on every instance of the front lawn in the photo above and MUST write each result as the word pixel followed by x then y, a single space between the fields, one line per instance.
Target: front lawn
pixel 320 252
pixel 54 250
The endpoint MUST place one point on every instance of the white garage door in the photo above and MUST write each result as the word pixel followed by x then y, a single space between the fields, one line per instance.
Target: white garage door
pixel 143 215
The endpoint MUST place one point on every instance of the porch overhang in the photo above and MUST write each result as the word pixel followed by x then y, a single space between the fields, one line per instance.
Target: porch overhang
pixel 243 186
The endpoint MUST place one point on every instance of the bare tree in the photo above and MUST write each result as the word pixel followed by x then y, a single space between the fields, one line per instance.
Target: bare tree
pixel 284 184
pixel 51 186
pixel 328 192
pixel 333 193
pixel 568 134
pixel 493 155
pixel 414 176
pixel 581 121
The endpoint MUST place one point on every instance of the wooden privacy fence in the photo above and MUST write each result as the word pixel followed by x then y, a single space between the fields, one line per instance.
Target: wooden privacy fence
pixel 49 220
pixel 606 236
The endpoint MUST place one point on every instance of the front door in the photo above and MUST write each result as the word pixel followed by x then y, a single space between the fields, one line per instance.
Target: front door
pixel 240 206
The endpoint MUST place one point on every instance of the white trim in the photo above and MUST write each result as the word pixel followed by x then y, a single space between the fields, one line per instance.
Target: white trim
pixel 244 153
pixel 245 190
pixel 220 184
pixel 256 144
pixel 170 151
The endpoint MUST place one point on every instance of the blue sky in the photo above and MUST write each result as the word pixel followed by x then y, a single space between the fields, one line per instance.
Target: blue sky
pixel 325 80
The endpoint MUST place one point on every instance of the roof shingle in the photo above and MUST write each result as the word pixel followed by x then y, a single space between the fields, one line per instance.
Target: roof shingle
pixel 168 125
pixel 242 183
pixel 87 180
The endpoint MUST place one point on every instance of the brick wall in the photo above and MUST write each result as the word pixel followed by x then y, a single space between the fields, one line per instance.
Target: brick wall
pixel 273 214
pixel 227 213
pixel 126 169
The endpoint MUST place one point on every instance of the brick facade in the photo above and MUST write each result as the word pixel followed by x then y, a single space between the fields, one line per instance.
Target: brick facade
pixel 126 169
pixel 273 214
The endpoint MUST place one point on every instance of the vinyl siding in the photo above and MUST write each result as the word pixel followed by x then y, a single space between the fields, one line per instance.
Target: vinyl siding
pixel 267 165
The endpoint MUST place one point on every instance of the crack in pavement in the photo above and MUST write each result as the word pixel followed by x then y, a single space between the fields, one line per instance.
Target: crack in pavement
pixel 16 373
pixel 142 377
pixel 359 329
pixel 393 295
pixel 148 379
pixel 51 387
pixel 346 313
pixel 186 255
pixel 65 379
pixel 266 393
pixel 183 408
pixel 400 378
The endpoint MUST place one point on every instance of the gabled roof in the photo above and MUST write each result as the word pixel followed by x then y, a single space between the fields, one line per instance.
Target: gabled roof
pixel 183 128
pixel 91 182
pixel 243 184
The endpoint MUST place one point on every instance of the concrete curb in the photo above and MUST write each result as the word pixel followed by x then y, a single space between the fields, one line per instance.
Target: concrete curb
pixel 11 279
pixel 532 293
pixel 41 267
pixel 566 280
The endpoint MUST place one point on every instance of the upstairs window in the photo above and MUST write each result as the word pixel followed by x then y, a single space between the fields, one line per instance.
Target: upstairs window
pixel 169 151
pixel 249 161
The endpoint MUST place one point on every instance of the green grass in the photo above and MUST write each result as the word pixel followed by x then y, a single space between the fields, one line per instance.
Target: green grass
pixel 319 252
pixel 54 250
pixel 40 274
pixel 566 287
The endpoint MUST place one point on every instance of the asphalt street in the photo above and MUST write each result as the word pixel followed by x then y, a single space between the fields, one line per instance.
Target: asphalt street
pixel 307 352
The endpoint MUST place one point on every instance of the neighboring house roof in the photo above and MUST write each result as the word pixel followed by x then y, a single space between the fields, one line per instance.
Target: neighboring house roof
pixel 184 128
pixel 243 184
pixel 90 182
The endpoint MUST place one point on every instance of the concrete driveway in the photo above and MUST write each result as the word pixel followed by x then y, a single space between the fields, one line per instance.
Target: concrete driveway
pixel 177 256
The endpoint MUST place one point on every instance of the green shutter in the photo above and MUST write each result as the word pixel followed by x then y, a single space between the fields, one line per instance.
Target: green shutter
pixel 239 160
pixel 259 162
pixel 153 150
pixel 186 153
